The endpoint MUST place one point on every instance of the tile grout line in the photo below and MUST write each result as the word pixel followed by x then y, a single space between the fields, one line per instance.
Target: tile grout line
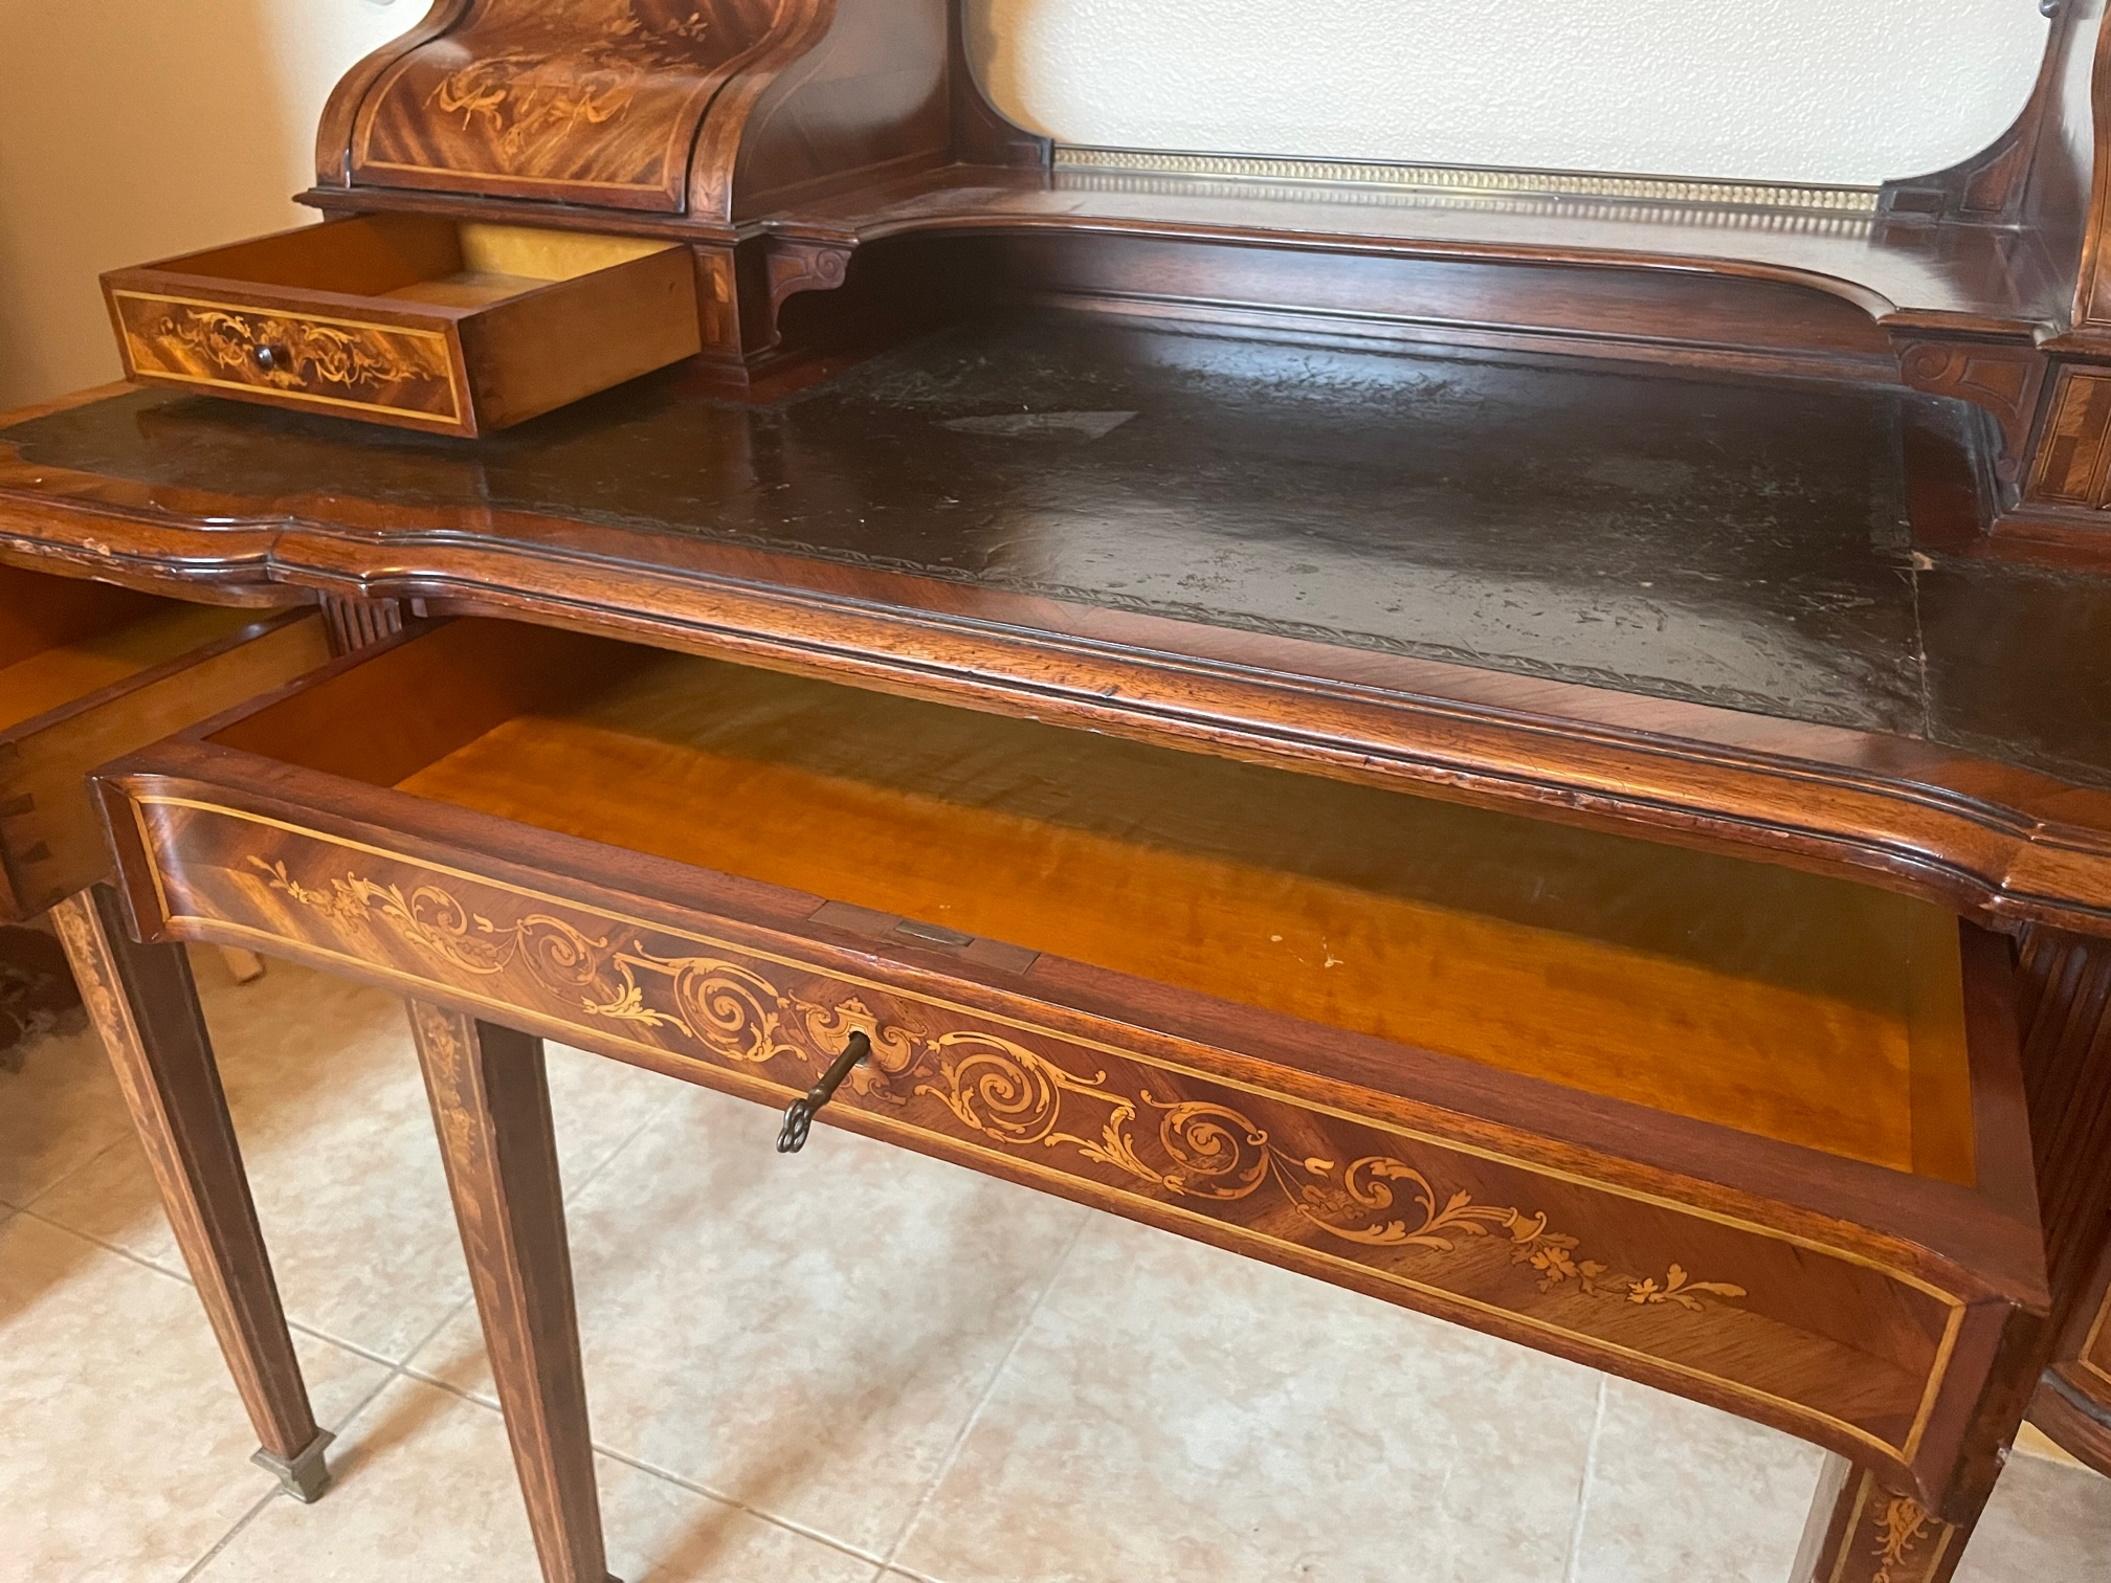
pixel 665 1476
pixel 1584 1483
pixel 989 1389
pixel 214 1551
pixel 885 1564
pixel 181 1272
pixel 357 1351
pixel 720 1497
pixel 182 1277
pixel 408 1369
pixel 140 1259
pixel 79 1166
pixel 578 1189
pixel 405 1366
pixel 395 1373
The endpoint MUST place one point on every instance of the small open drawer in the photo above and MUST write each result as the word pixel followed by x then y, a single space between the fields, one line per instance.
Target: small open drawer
pixel 452 327
pixel 1747 1133
pixel 88 671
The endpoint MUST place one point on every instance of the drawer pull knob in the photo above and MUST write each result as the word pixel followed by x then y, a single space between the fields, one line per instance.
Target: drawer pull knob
pixel 799 1115
pixel 270 358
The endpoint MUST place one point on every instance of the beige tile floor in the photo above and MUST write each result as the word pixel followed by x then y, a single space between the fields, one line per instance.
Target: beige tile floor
pixel 852 1367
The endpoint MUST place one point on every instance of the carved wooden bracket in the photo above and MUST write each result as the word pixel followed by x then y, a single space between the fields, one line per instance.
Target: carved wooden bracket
pixel 2003 377
pixel 804 266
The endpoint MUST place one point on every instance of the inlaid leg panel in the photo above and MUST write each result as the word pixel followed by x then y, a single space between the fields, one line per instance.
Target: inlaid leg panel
pixel 145 1006
pixel 1861 1532
pixel 491 1104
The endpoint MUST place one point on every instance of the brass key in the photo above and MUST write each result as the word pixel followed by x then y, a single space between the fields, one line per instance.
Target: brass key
pixel 799 1115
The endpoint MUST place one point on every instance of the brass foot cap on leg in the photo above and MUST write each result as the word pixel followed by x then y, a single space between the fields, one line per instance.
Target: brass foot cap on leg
pixel 306 1476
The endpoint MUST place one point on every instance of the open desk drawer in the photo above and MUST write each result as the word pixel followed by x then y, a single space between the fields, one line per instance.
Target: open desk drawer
pixel 453 327
pixel 1746 1133
pixel 89 671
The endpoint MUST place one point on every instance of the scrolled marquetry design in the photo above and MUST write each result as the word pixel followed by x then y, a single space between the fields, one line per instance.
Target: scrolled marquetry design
pixel 1900 1540
pixel 1828 1340
pixel 998 1088
pixel 596 102
pixel 530 101
pixel 300 352
pixel 314 360
pixel 1008 1093
pixel 661 106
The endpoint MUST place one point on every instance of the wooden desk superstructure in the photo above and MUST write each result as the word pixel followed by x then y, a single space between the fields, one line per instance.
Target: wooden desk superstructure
pixel 1538 747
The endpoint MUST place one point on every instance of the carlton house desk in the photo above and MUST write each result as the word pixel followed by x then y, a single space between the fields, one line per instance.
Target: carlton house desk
pixel 1537 747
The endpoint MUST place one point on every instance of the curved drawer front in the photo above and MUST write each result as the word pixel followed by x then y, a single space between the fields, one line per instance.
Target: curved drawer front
pixel 1824 1340
pixel 290 356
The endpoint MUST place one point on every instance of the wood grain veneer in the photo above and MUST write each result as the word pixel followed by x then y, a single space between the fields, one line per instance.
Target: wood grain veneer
pixel 1803 1009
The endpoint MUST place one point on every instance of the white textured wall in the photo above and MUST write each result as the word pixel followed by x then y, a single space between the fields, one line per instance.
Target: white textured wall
pixel 1848 91
pixel 133 129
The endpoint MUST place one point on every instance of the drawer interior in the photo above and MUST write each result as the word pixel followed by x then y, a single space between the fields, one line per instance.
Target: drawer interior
pixel 63 638
pixel 414 259
pixel 1801 1008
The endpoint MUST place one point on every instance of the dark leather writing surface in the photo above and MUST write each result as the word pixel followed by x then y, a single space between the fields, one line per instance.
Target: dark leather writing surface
pixel 1736 543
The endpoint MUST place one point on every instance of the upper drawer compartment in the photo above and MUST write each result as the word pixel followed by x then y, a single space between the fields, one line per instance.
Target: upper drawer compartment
pixel 445 326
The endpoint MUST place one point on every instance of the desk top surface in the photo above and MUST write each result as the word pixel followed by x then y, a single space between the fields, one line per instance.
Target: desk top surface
pixel 1604 537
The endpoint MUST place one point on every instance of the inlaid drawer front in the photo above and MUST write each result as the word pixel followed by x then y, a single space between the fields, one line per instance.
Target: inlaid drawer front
pixel 327 362
pixel 1824 1340
pixel 2095 1359
pixel 443 326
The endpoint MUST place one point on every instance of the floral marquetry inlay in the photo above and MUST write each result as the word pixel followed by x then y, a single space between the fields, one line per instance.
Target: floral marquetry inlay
pixel 994 1086
pixel 521 96
pixel 1890 1538
pixel 303 353
pixel 1901 1526
pixel 596 101
pixel 318 360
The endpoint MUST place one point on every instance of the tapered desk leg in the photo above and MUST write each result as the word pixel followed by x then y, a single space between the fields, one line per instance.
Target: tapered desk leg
pixel 1860 1532
pixel 492 1107
pixel 143 1003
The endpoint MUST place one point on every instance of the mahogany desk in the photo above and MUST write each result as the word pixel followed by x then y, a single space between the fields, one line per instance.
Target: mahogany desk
pixel 1720 759
pixel 1534 744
